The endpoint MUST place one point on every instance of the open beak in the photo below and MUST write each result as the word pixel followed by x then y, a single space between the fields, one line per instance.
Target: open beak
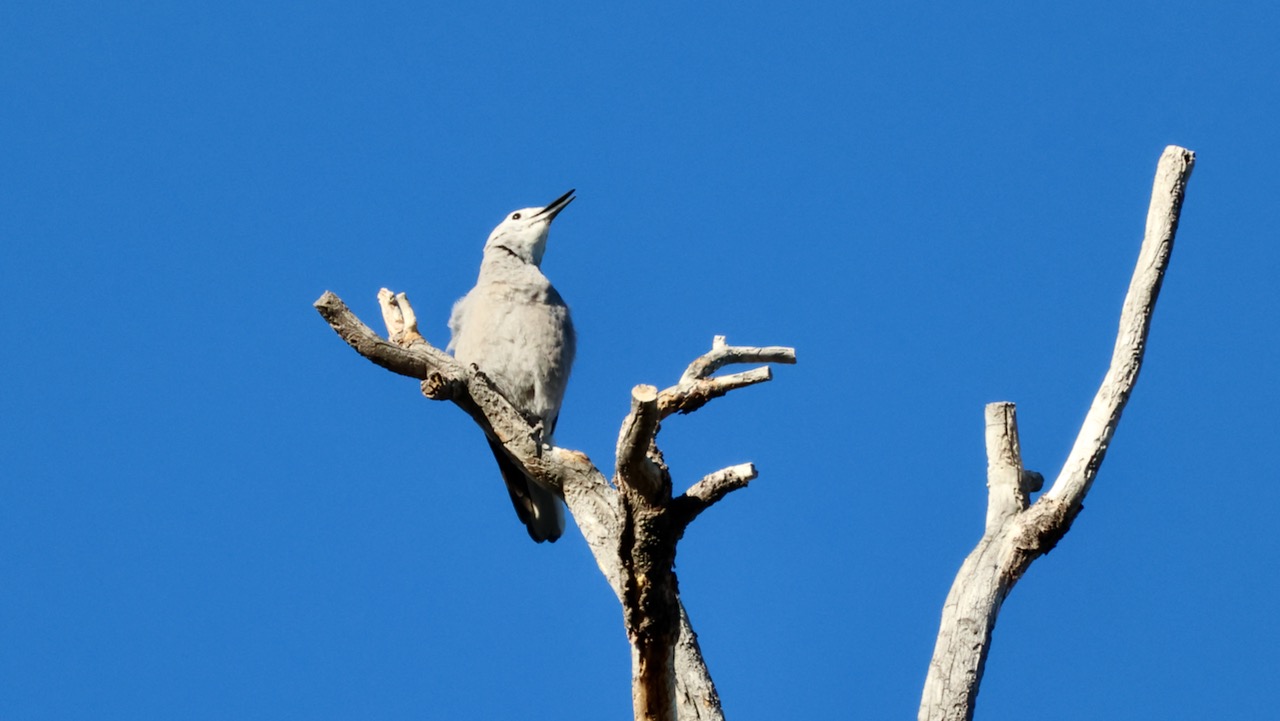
pixel 557 205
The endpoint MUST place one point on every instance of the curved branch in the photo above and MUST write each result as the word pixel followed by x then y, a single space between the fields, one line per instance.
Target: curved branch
pixel 1172 174
pixel 417 363
pixel 711 489
pixel 723 354
pixel 1016 534
pixel 696 387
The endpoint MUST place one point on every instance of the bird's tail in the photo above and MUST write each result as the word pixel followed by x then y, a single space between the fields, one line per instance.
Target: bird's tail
pixel 539 509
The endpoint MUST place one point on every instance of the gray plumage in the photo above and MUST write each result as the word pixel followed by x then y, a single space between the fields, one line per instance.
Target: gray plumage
pixel 515 327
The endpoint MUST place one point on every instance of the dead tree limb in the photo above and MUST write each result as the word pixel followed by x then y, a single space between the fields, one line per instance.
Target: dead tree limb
pixel 1018 532
pixel 631 525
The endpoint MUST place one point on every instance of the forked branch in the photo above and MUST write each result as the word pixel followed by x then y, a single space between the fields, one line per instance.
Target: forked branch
pixel 631 526
pixel 1017 532
pixel 697 387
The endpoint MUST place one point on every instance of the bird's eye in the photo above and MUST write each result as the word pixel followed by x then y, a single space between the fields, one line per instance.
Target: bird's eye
pixel 515 216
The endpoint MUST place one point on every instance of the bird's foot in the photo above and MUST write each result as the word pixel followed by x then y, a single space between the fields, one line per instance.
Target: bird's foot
pixel 537 434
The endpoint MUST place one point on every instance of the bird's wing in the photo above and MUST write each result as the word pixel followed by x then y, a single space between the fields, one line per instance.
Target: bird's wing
pixel 538 508
pixel 456 320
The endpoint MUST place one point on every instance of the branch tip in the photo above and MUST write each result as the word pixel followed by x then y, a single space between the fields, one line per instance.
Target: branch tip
pixel 1168 191
pixel 1006 496
pixel 697 385
pixel 644 393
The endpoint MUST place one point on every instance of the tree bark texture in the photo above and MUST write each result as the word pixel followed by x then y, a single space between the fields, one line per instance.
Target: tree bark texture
pixel 632 526
pixel 1017 532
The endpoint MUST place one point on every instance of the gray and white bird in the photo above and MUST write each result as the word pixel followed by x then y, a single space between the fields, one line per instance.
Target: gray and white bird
pixel 515 328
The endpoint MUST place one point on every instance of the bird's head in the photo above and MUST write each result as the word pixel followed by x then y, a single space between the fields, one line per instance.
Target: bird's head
pixel 523 233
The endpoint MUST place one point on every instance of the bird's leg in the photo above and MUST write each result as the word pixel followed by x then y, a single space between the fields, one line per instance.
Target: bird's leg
pixel 537 434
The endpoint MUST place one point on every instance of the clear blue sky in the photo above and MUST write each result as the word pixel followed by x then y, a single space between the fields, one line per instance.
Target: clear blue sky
pixel 211 508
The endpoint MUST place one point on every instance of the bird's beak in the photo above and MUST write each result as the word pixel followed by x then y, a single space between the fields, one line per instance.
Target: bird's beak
pixel 557 205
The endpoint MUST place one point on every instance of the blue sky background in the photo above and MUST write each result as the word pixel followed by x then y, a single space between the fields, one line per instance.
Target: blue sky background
pixel 211 508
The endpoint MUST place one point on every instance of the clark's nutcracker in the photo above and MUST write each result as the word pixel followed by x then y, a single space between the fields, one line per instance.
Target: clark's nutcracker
pixel 515 327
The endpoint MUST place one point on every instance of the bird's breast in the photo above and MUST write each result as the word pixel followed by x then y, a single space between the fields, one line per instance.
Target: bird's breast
pixel 523 339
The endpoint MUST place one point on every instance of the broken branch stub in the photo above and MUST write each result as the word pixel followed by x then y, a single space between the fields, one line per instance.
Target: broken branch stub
pixel 631 527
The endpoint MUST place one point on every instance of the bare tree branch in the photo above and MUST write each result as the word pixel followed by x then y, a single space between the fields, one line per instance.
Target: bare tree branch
pixel 1016 534
pixel 370 345
pixel 654 522
pixel 711 489
pixel 635 469
pixel 696 696
pixel 632 527
pixel 1086 455
pixel 723 354
pixel 398 316
pixel 696 387
pixel 1006 496
pixel 717 485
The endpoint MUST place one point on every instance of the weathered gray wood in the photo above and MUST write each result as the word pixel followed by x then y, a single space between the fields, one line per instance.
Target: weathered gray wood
pixel 634 465
pixel 1006 496
pixel 632 526
pixel 1016 534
